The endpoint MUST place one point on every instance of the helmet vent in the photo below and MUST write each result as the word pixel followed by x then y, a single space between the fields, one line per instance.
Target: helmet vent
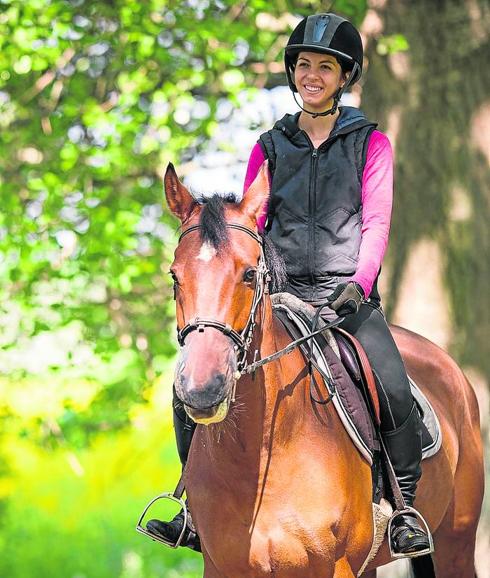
pixel 320 27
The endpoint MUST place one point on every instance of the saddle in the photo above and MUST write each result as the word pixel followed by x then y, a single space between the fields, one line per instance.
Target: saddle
pixel 356 401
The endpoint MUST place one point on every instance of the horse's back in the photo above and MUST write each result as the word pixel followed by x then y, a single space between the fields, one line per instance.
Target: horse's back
pixel 450 394
pixel 438 376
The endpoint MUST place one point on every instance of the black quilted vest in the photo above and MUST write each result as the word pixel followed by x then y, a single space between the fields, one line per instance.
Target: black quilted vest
pixel 315 206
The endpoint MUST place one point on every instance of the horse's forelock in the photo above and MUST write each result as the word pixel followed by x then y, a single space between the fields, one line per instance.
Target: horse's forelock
pixel 212 221
pixel 215 232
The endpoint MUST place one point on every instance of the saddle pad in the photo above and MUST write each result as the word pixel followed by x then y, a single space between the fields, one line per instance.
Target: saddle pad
pixel 349 401
pixel 431 428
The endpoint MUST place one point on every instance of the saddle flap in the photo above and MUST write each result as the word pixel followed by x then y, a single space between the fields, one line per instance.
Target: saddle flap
pixel 347 356
pixel 357 358
pixel 347 360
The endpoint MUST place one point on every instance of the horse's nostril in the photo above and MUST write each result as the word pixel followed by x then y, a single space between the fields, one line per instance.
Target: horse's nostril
pixel 206 395
pixel 181 380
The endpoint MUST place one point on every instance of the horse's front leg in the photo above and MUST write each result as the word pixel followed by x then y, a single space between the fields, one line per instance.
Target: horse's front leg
pixel 343 569
pixel 210 570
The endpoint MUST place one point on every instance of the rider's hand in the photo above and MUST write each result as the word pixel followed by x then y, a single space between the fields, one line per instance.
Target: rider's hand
pixel 346 298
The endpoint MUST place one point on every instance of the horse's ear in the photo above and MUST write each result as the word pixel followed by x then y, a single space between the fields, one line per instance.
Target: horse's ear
pixel 255 199
pixel 179 200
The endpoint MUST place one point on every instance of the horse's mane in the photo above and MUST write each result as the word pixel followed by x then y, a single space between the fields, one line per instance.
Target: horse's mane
pixel 213 230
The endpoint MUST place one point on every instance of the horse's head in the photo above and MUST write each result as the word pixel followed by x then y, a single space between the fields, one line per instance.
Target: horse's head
pixel 217 270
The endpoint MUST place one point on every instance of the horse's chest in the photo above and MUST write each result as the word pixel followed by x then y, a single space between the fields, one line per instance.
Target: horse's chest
pixel 271 516
pixel 256 534
pixel 261 550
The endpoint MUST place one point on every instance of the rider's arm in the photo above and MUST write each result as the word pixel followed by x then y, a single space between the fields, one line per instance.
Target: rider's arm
pixel 377 201
pixel 254 163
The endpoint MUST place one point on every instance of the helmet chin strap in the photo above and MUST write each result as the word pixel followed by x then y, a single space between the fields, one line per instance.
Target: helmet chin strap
pixel 336 98
pixel 331 110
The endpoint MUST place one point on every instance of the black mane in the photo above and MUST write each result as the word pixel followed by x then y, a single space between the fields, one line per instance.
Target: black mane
pixel 213 230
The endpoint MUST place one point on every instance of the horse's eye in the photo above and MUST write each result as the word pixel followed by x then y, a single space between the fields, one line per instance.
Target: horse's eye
pixel 249 275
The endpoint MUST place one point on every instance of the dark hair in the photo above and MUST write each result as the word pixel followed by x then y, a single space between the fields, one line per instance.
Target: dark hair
pixel 212 220
pixel 275 264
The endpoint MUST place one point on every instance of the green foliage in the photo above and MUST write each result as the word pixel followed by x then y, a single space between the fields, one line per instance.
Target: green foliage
pixel 95 99
pixel 391 44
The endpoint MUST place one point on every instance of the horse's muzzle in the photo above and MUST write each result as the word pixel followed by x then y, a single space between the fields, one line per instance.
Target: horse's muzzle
pixel 210 415
pixel 204 376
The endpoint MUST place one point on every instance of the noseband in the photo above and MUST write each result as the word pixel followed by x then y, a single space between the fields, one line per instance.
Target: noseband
pixel 243 338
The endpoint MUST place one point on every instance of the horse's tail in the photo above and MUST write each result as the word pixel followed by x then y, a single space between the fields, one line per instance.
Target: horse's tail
pixel 422 567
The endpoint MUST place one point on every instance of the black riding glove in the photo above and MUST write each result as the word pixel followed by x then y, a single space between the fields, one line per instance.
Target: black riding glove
pixel 346 298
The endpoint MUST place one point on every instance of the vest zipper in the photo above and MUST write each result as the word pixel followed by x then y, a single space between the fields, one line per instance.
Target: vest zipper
pixel 311 215
pixel 312 203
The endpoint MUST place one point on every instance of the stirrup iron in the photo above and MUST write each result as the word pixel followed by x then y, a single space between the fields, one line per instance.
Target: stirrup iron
pixel 418 516
pixel 157 538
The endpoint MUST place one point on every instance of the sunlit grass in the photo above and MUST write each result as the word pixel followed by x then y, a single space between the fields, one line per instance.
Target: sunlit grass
pixel 72 514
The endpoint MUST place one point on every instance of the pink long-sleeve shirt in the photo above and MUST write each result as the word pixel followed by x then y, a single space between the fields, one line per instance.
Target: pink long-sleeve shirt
pixel 377 202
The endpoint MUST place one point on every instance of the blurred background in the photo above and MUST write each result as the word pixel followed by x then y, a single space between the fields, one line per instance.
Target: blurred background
pixel 95 99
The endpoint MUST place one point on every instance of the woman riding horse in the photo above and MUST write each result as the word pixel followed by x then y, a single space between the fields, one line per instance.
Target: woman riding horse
pixel 329 215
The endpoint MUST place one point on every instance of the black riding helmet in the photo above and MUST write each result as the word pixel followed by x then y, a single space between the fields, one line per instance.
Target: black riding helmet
pixel 327 34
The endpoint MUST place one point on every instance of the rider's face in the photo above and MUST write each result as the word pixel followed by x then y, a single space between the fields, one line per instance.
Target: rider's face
pixel 317 78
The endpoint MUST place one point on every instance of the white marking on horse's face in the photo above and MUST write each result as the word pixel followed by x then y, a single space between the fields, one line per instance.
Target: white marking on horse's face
pixel 206 253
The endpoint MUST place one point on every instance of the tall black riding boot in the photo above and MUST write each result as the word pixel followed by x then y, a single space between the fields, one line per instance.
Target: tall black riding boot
pixel 404 446
pixel 184 430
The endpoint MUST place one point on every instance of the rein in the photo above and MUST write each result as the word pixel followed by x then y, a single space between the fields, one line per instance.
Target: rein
pixel 243 339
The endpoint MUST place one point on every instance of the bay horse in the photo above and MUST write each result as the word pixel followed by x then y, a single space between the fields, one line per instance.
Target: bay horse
pixel 275 485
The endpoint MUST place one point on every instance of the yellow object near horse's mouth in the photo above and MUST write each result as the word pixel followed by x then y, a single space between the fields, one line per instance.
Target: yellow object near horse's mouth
pixel 220 412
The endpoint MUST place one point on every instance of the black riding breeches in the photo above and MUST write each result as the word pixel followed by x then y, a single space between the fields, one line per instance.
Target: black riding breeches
pixel 369 327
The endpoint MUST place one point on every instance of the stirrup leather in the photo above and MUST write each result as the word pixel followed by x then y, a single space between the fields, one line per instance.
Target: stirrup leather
pixel 425 526
pixel 159 538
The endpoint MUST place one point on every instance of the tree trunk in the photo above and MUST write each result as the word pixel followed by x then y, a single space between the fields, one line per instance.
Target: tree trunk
pixel 433 100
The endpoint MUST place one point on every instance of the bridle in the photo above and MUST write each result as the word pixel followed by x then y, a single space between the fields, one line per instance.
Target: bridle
pixel 243 338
